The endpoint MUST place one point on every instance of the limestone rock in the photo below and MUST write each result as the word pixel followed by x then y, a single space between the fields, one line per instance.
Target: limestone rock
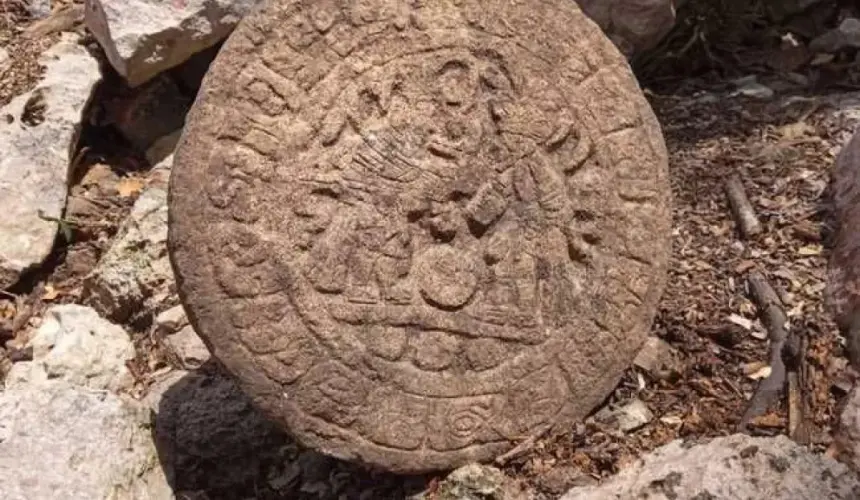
pixel 478 482
pixel 145 37
pixel 135 272
pixel 633 25
pixel 728 468
pixel 38 134
pixel 628 417
pixel 339 218
pixel 76 345
pixel 62 441
pixel 844 36
pixel 187 349
pixel 170 321
pixel 656 357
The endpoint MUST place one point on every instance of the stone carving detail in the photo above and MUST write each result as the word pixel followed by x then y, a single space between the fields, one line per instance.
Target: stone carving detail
pixel 420 231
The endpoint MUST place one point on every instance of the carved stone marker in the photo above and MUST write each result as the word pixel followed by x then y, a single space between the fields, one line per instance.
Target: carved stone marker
pixel 420 232
pixel 842 294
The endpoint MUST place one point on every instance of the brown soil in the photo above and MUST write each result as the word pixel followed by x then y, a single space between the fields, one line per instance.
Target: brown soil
pixel 783 157
pixel 782 153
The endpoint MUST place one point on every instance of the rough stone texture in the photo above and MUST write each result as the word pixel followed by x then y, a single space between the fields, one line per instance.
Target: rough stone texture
pixel 171 320
pixel 62 441
pixel 143 38
pixel 842 293
pixel 205 426
pixel 186 348
pixel 36 148
pixel 76 345
pixel 478 482
pixel 134 274
pixel 728 468
pixel 628 417
pixel 846 35
pixel 656 357
pixel 633 25
pixel 414 250
pixel 847 435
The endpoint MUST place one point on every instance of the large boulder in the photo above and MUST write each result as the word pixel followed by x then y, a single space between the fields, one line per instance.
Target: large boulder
pixel 142 38
pixel 728 468
pixel 38 136
pixel 62 441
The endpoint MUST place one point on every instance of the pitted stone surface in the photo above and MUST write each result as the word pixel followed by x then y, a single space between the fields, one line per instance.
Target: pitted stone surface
pixel 418 232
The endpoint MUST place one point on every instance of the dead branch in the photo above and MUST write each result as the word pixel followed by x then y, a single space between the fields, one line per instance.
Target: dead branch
pixel 522 448
pixel 775 320
pixel 742 210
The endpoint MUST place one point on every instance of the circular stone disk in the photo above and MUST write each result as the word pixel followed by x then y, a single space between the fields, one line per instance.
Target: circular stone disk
pixel 419 232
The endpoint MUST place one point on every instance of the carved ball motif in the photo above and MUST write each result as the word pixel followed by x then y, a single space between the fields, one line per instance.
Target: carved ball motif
pixel 418 232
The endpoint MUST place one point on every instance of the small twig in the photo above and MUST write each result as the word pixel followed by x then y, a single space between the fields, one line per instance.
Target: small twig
pixel 795 413
pixel 522 448
pixel 742 209
pixel 774 318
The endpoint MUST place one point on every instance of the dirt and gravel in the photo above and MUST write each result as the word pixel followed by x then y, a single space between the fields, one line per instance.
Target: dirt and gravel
pixel 781 148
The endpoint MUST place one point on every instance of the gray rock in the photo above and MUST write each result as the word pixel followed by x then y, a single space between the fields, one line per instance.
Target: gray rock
pixel 845 36
pixel 733 467
pixel 61 441
pixel 655 356
pixel 145 37
pixel 36 147
pixel 39 9
pixel 633 25
pixel 135 273
pixel 170 321
pixel 186 348
pixel 78 346
pixel 749 87
pixel 478 482
pixel 628 417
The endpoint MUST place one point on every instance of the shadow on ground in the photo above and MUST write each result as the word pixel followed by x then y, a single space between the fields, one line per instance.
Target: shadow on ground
pixel 214 444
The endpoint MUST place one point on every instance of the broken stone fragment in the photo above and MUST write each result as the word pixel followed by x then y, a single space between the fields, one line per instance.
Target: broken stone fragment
pixel 478 482
pixel 627 418
pixel 737 466
pixel 143 38
pixel 135 272
pixel 656 356
pixel 78 346
pixel 187 349
pixel 38 135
